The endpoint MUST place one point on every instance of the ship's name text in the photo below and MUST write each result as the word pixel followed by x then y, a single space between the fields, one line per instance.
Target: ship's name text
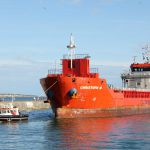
pixel 90 87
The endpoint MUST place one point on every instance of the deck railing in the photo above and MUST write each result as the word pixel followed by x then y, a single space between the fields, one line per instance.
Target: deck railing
pixel 76 56
pixel 59 71
pixel 94 70
pixel 55 71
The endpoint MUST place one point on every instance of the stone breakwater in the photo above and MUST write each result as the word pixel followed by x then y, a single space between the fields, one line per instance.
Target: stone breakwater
pixel 28 105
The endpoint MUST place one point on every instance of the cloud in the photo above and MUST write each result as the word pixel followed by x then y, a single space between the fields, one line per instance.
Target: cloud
pixel 22 75
pixel 13 63
pixel 20 62
pixel 110 64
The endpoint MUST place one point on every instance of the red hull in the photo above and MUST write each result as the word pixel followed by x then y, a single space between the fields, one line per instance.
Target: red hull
pixel 79 92
pixel 94 98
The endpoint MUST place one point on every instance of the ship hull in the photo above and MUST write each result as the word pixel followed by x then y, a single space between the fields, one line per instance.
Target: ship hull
pixel 79 91
pixel 14 118
pixel 93 99
pixel 102 113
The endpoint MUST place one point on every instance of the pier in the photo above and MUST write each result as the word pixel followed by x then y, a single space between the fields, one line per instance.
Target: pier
pixel 28 105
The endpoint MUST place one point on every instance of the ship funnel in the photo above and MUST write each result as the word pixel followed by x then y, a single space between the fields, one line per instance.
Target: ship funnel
pixel 72 43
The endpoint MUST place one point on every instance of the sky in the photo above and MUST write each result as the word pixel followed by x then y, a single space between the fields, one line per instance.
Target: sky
pixel 34 35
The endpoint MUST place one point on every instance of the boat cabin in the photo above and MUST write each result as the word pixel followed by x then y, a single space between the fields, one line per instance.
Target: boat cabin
pixel 140 67
pixel 139 75
pixel 9 110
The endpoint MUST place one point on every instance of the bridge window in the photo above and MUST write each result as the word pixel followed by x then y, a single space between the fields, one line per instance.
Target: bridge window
pixel 138 83
pixel 140 69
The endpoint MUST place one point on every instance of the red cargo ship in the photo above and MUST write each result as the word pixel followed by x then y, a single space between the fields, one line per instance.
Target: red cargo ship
pixel 78 91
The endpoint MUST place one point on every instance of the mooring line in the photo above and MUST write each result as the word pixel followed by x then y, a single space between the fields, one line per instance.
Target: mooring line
pixel 51 86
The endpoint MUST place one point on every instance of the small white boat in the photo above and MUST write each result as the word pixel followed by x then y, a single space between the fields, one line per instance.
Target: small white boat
pixel 11 113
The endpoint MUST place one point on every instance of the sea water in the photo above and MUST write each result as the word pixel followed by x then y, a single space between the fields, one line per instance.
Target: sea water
pixel 43 132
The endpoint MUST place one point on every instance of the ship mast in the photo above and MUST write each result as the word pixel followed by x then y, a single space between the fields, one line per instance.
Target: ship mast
pixel 146 54
pixel 71 47
pixel 134 59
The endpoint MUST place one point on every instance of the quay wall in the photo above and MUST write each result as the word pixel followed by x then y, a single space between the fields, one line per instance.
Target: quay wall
pixel 28 105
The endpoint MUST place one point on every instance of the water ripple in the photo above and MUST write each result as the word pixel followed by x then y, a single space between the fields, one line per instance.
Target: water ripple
pixel 42 131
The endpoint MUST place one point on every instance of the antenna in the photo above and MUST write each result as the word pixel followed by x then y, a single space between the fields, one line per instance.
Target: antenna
pixel 134 59
pixel 71 47
pixel 146 53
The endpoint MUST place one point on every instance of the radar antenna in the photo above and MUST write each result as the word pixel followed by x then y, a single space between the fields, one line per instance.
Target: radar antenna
pixel 72 43
pixel 146 53
pixel 71 47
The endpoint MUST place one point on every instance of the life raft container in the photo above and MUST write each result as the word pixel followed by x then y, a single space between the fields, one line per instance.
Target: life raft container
pixel 72 93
